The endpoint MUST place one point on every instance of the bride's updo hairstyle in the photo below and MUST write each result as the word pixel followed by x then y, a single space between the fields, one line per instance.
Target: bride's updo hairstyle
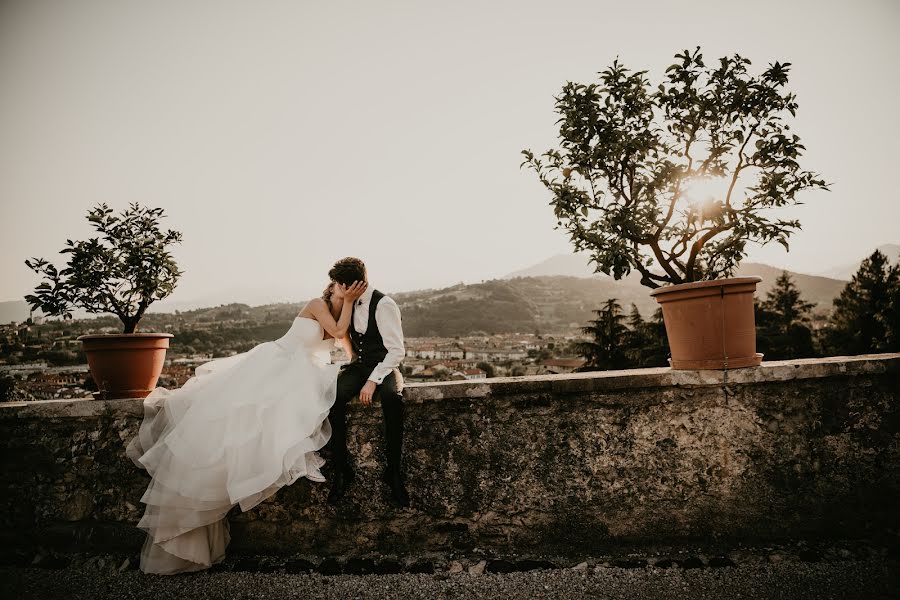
pixel 328 292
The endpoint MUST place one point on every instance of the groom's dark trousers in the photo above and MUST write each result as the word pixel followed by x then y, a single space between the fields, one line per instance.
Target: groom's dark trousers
pixel 351 379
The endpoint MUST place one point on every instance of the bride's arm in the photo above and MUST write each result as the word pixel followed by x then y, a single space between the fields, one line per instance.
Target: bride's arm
pixel 321 311
pixel 335 306
pixel 344 342
pixel 348 347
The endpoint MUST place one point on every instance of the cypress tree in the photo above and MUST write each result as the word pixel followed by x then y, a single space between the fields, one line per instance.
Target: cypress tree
pixel 636 337
pixel 647 345
pixel 606 350
pixel 656 352
pixel 864 317
pixel 783 322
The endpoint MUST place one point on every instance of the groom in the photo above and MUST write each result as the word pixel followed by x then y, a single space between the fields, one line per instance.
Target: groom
pixel 376 340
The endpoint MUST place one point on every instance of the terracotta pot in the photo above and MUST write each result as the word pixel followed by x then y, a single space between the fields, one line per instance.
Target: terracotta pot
pixel 125 365
pixel 711 324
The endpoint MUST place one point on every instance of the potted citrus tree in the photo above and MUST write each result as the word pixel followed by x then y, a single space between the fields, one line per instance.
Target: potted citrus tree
pixel 122 272
pixel 673 181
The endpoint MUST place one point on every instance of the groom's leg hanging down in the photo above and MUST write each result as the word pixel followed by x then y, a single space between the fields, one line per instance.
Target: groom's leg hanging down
pixel 349 382
pixel 390 393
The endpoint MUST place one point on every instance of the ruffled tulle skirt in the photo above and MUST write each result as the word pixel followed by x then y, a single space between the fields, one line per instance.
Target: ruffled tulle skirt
pixel 236 432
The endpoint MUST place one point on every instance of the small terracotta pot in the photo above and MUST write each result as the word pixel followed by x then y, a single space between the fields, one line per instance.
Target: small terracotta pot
pixel 711 324
pixel 125 365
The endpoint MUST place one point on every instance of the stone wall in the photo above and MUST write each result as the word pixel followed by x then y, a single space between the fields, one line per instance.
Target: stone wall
pixel 562 464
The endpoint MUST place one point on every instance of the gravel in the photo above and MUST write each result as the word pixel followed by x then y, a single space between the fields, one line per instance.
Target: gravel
pixel 871 578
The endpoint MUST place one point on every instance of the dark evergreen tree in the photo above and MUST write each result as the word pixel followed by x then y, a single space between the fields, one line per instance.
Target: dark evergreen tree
pixel 656 352
pixel 892 315
pixel 782 322
pixel 635 320
pixel 647 345
pixel 864 318
pixel 636 337
pixel 607 348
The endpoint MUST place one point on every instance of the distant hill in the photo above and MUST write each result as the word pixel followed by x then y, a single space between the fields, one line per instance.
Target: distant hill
pixel 819 290
pixel 569 265
pixel 522 304
pixel 892 251
pixel 544 304
pixel 556 302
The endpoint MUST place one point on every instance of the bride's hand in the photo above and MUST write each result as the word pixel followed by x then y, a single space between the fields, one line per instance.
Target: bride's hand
pixel 355 291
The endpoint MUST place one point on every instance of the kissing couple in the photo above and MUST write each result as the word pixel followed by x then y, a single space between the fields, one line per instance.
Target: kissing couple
pixel 246 425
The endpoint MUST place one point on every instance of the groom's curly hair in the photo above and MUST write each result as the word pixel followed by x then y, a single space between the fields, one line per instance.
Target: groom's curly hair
pixel 347 270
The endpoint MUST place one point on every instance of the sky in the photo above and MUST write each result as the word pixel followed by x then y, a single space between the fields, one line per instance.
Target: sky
pixel 281 136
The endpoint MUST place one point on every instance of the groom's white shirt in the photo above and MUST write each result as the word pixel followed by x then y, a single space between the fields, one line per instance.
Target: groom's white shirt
pixel 387 316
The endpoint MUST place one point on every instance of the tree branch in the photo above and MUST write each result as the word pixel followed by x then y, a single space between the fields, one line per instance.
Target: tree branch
pixel 648 277
pixel 676 193
pixel 695 249
pixel 116 309
pixel 667 267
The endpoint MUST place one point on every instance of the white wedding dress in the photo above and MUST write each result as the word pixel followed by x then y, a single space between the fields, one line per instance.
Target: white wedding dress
pixel 237 431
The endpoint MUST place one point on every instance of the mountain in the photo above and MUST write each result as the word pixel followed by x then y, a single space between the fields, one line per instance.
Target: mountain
pixel 892 251
pixel 569 265
pixel 544 304
pixel 550 303
pixel 553 303
pixel 821 291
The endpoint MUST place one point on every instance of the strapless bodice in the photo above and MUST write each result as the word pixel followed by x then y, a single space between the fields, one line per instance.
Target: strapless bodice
pixel 305 335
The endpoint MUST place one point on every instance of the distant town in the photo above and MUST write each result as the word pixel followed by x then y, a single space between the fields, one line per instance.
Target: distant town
pixel 528 324
pixel 42 359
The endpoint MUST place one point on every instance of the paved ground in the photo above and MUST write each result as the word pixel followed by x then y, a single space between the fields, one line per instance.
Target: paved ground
pixel 752 576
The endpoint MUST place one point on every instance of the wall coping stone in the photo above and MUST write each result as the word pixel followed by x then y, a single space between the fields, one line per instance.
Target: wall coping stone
pixel 594 381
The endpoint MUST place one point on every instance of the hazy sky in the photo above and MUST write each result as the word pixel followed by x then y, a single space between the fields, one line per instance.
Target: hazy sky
pixel 280 136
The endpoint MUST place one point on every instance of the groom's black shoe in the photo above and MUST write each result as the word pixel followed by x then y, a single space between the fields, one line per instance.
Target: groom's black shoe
pixel 394 479
pixel 342 481
pixel 326 452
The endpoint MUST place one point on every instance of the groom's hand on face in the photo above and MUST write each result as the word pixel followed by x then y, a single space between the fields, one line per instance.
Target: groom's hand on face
pixel 366 393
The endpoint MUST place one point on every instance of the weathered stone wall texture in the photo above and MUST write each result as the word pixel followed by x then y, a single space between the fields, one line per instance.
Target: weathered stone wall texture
pixel 557 464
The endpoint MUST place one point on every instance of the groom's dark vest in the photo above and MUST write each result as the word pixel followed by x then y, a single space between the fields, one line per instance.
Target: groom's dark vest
pixel 368 346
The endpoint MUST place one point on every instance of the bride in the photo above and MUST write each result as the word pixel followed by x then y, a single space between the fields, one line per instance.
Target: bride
pixel 239 429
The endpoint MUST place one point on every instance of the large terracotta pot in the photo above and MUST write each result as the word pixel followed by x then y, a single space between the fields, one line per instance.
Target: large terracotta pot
pixel 125 365
pixel 710 324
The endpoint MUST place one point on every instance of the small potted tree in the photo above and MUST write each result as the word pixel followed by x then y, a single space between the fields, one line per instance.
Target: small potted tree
pixel 673 182
pixel 122 272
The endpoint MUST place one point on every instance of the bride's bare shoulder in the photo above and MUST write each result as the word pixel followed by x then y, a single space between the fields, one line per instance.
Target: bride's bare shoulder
pixel 310 307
